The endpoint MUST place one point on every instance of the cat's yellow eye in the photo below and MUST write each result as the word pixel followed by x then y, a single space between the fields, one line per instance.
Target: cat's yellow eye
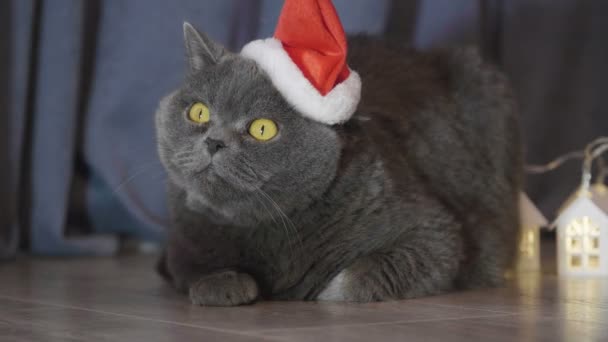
pixel 198 113
pixel 263 129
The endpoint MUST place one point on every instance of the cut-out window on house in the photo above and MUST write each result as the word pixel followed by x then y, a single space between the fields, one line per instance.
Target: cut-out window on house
pixel 528 243
pixel 593 243
pixel 583 243
pixel 574 244
pixel 576 261
pixel 594 261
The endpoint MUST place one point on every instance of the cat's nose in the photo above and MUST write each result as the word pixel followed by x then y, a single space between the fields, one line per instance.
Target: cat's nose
pixel 214 145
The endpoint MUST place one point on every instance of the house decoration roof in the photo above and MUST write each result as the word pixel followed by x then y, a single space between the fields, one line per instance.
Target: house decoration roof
pixel 529 214
pixel 579 199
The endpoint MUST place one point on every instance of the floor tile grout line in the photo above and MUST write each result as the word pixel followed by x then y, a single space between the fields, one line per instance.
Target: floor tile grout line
pixel 261 332
pixel 456 306
pixel 202 327
pixel 42 308
pixel 63 332
pixel 518 309
pixel 11 323
pixel 251 332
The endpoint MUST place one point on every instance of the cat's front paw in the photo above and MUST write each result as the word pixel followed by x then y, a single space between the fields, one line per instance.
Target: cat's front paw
pixel 226 288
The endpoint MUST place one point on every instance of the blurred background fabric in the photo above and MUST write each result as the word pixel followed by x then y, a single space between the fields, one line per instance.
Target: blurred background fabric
pixel 80 81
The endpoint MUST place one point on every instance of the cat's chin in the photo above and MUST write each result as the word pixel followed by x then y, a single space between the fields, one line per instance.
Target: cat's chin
pixel 231 207
pixel 200 204
pixel 196 203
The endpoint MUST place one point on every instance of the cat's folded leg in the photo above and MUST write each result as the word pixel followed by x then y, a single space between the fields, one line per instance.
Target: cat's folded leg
pixel 405 272
pixel 224 288
pixel 210 282
pixel 220 288
pixel 494 249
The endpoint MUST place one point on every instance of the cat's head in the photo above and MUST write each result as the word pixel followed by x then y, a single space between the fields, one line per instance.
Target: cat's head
pixel 231 141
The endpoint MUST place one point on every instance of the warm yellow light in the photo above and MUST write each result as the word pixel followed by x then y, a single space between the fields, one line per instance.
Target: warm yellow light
pixel 573 244
pixel 594 261
pixel 595 243
pixel 583 243
pixel 527 245
pixel 528 258
pixel 576 261
pixel 530 237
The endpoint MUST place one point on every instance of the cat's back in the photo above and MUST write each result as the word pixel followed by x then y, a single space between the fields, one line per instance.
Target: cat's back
pixel 404 85
pixel 396 81
pixel 445 114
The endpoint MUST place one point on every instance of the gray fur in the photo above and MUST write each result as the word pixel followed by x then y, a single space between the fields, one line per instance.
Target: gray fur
pixel 415 195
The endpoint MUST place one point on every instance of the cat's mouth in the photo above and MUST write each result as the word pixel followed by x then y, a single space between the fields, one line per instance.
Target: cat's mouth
pixel 216 175
pixel 203 168
pixel 209 173
pixel 192 169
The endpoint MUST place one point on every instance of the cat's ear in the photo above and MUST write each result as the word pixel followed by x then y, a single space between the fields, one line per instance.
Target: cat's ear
pixel 201 49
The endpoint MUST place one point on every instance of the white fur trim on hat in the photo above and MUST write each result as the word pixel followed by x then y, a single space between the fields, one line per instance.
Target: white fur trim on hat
pixel 335 107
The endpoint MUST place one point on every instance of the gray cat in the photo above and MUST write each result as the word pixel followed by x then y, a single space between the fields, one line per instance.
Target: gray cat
pixel 415 195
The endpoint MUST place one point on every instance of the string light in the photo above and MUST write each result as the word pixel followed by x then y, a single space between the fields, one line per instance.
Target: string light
pixel 582 224
pixel 592 152
pixel 554 164
pixel 529 251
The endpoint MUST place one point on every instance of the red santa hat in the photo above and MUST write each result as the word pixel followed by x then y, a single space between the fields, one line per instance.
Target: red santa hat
pixel 306 61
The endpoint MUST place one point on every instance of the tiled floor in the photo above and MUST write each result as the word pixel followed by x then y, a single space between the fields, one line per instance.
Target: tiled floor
pixel 122 299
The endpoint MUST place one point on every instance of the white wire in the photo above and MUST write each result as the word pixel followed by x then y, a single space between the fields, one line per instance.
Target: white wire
pixel 554 164
pixel 593 150
pixel 589 154
pixel 602 172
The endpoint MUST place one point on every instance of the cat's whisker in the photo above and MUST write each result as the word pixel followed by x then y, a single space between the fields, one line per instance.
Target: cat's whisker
pixel 261 200
pixel 247 163
pixel 249 178
pixel 185 156
pixel 183 161
pixel 245 169
pixel 291 224
pixel 248 172
pixel 284 224
pixel 132 177
pixel 144 166
pixel 183 153
pixel 182 157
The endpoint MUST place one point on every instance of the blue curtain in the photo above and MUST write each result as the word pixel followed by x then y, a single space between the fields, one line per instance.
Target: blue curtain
pixel 80 80
pixel 85 80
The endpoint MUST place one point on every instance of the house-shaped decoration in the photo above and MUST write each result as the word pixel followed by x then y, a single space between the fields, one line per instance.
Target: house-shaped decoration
pixel 582 234
pixel 531 221
pixel 600 196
